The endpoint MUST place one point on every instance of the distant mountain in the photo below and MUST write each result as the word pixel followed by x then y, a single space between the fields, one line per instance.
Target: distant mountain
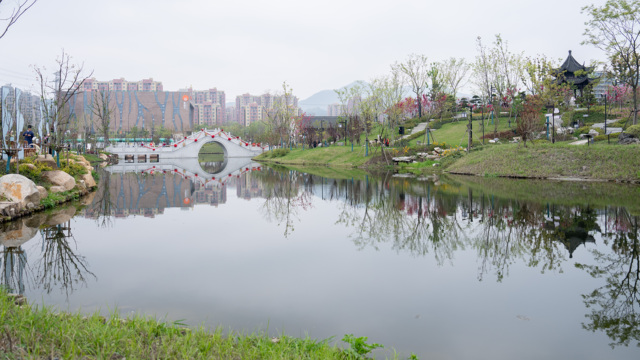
pixel 317 103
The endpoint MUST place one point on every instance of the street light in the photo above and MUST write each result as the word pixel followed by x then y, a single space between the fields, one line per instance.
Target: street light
pixel 605 117
pixel 343 124
pixel 551 107
pixel 493 106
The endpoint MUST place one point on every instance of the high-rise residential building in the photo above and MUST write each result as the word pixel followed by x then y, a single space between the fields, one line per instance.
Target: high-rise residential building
pixel 231 114
pixel 252 108
pixel 28 110
pixel 335 110
pixel 122 85
pixel 144 105
pixel 143 110
pixel 210 106
pixel 137 104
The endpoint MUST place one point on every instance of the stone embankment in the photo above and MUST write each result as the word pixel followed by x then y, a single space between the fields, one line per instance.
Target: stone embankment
pixel 20 196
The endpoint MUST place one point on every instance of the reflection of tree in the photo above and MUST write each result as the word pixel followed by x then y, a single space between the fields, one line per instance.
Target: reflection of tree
pixel 14 265
pixel 60 265
pixel 425 216
pixel 102 202
pixel 543 250
pixel 498 245
pixel 283 197
pixel 616 305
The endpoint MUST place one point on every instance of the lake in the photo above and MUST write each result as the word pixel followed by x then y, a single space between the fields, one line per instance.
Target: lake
pixel 442 267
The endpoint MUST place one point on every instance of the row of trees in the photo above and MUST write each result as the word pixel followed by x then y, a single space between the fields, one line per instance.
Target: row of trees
pixel 501 77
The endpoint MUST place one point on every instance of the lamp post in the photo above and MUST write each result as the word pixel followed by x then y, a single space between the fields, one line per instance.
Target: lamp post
pixel 605 116
pixel 343 125
pixel 493 106
pixel 551 107
pixel 470 130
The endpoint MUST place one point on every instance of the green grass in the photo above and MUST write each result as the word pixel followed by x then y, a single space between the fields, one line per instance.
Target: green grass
pixel 417 167
pixel 455 133
pixel 341 156
pixel 43 333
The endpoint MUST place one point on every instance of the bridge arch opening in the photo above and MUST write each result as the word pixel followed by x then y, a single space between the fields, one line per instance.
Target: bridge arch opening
pixel 212 157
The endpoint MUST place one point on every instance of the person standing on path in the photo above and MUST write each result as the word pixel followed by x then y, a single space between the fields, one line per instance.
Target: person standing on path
pixel 28 136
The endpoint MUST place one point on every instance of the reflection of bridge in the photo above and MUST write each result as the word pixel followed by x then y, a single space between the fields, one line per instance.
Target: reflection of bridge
pixel 187 148
pixel 190 168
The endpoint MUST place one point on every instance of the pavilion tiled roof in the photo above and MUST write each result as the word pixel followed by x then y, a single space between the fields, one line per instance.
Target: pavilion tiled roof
pixel 566 72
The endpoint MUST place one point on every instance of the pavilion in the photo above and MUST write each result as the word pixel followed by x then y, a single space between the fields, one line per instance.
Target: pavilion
pixel 574 74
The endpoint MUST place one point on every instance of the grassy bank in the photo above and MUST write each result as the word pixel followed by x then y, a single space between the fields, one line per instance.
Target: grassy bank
pixel 602 162
pixel 42 333
pixel 335 156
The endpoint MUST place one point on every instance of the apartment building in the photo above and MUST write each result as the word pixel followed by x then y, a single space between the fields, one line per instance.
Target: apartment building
pixel 252 108
pixel 209 105
pixel 122 85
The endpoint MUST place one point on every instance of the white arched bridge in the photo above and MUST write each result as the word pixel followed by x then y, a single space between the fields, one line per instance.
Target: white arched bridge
pixel 187 148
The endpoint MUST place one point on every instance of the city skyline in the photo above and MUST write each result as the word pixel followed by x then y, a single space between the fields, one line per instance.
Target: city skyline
pixel 253 47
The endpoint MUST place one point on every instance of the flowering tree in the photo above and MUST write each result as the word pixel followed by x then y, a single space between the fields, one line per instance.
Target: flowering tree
pixel 529 122
pixel 615 28
pixel 415 71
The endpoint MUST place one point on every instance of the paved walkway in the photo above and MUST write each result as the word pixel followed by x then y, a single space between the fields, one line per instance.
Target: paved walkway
pixel 579 142
pixel 610 130
pixel 416 129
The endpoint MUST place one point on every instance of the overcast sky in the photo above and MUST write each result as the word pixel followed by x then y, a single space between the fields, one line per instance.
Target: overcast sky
pixel 254 46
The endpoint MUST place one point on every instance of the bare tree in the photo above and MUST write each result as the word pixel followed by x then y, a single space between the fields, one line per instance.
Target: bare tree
pixel 102 109
pixel 454 71
pixel 15 11
pixel 56 95
pixel 416 71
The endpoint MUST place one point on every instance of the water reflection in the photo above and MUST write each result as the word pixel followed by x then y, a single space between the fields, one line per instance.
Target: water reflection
pixel 424 217
pixel 615 305
pixel 502 223
pixel 58 266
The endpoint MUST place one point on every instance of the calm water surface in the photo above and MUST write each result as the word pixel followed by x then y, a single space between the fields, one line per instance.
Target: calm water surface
pixel 446 268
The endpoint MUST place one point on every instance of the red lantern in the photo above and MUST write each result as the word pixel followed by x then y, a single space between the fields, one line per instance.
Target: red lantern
pixel 185 138
pixel 175 145
pixel 154 149
pixel 212 136
pixel 213 178
pixel 196 140
pixel 229 175
pixel 229 139
pixel 196 175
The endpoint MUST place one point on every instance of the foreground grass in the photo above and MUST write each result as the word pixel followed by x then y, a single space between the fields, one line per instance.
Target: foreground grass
pixel 41 333
pixel 602 162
